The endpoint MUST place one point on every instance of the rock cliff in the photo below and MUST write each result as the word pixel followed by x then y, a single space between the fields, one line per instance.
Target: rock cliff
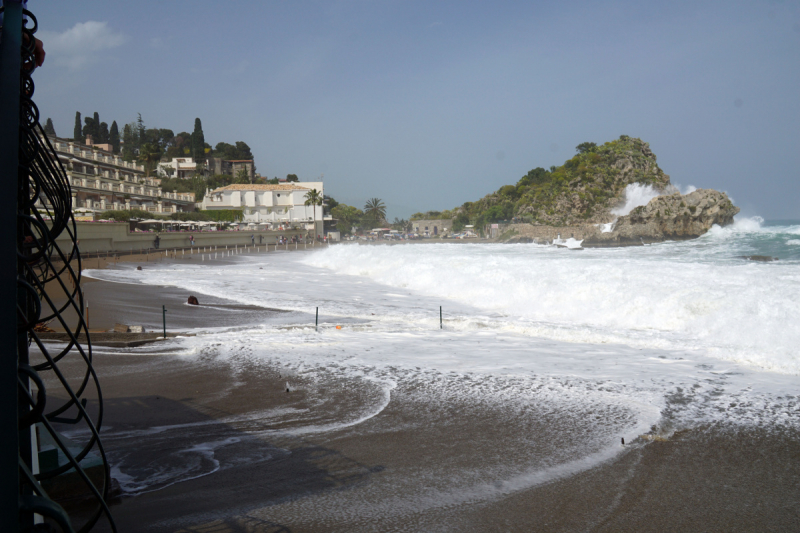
pixel 669 217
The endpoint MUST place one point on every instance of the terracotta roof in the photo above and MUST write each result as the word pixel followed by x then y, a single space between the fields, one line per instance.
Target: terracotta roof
pixel 260 187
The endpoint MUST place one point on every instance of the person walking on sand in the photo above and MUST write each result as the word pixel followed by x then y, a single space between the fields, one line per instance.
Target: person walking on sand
pixel 253 239
pixel 191 241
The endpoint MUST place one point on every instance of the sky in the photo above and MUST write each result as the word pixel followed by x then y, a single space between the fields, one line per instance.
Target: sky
pixel 430 104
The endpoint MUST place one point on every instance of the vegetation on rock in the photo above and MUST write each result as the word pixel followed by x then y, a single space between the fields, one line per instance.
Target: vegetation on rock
pixel 582 190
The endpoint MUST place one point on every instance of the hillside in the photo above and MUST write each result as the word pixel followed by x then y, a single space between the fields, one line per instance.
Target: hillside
pixel 583 190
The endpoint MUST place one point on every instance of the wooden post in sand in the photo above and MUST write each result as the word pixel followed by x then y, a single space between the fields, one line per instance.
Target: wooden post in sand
pixel 164 317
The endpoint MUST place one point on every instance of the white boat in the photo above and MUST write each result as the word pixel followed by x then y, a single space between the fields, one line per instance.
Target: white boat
pixel 571 244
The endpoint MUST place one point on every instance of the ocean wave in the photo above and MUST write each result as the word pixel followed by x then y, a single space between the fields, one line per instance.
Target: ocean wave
pixel 659 298
pixel 636 195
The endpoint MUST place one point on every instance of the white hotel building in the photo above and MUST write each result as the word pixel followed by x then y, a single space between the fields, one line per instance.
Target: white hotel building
pixel 273 205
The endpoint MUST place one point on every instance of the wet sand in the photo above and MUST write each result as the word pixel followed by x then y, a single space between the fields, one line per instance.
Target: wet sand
pixel 393 472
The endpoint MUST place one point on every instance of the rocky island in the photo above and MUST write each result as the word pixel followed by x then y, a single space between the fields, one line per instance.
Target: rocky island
pixel 614 194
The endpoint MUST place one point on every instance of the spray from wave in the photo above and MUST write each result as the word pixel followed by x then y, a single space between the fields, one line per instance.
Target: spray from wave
pixel 636 195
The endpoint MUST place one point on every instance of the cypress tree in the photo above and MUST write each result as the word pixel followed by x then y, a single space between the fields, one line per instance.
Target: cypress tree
pixel 127 138
pixel 48 127
pixel 77 134
pixel 96 128
pixel 113 137
pixel 198 142
pixel 141 130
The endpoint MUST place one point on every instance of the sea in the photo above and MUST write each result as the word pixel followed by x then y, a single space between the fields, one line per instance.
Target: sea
pixel 630 343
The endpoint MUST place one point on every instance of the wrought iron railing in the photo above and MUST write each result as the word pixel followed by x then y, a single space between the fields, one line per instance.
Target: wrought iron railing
pixel 35 208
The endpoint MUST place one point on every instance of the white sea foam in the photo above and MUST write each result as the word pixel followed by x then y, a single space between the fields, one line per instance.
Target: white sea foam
pixel 636 194
pixel 624 330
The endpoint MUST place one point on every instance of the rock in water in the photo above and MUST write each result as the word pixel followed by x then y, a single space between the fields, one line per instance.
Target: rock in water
pixel 669 217
pixel 193 301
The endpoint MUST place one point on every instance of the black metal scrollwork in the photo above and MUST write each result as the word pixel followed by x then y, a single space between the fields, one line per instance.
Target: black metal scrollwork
pixel 43 216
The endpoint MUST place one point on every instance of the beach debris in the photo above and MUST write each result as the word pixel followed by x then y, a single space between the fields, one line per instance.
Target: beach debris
pixel 193 301
pixel 41 327
pixel 138 268
pixel 654 438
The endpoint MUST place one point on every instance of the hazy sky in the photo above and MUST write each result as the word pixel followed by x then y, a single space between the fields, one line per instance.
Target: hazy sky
pixel 428 104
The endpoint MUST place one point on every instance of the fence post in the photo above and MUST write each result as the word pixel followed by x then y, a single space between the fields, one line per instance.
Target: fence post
pixel 10 63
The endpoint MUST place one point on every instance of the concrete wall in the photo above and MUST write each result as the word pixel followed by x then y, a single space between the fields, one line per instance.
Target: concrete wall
pixel 116 236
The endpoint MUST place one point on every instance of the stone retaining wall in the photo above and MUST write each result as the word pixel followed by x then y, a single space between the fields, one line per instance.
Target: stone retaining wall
pixel 116 236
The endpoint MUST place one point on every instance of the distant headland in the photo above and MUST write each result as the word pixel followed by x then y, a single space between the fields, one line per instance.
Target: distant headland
pixel 613 194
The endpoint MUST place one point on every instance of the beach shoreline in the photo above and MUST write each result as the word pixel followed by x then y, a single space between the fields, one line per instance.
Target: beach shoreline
pixel 714 477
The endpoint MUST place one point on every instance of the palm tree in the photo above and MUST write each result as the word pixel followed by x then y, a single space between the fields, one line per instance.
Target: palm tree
pixel 149 154
pixel 375 209
pixel 313 197
pixel 242 176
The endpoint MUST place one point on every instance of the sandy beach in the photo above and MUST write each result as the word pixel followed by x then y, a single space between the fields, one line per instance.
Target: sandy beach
pixel 419 464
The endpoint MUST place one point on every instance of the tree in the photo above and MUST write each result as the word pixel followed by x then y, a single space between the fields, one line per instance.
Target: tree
pixel 375 210
pixel 149 154
pixel 461 220
pixel 113 137
pixel 242 176
pixel 77 133
pixel 347 217
pixel 328 203
pixel 292 178
pixel 48 127
pixel 313 197
pixel 230 152
pixel 243 151
pixel 585 147
pixel 96 127
pixel 140 131
pixel 129 148
pixel 88 128
pixel 198 141
pixel 104 135
pixel 400 224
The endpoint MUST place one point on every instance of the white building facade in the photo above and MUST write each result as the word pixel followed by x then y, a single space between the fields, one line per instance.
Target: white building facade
pixel 102 181
pixel 179 167
pixel 271 205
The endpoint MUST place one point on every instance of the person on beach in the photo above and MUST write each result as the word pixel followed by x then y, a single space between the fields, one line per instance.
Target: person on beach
pixel 191 241
pixel 253 239
pixel 157 241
